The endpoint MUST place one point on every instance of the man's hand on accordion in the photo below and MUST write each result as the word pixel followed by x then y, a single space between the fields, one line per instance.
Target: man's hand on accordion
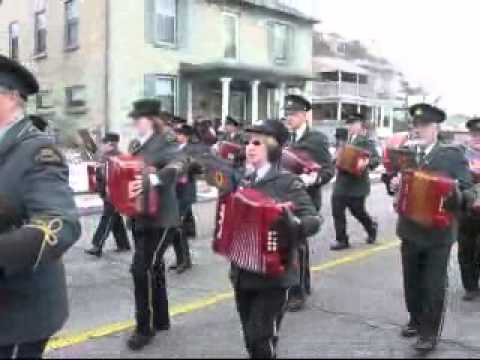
pixel 135 188
pixel 294 225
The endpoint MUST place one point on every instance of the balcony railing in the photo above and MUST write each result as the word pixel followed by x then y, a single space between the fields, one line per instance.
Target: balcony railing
pixel 337 89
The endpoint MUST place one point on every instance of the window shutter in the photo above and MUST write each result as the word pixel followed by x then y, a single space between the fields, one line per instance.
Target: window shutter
pixel 150 21
pixel 270 41
pixel 150 86
pixel 291 44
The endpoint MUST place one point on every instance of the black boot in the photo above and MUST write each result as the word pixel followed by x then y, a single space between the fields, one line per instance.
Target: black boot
pixel 138 341
pixel 94 251
pixel 425 345
pixel 372 236
pixel 410 330
pixel 296 304
pixel 340 246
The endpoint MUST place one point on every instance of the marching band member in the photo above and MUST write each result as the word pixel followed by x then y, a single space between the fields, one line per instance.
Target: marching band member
pixel 351 192
pixel 153 235
pixel 469 230
pixel 233 131
pixel 111 220
pixel 261 301
pixel 426 251
pixel 187 196
pixel 315 143
pixel 38 223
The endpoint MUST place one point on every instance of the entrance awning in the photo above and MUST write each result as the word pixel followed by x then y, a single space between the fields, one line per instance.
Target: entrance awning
pixel 245 72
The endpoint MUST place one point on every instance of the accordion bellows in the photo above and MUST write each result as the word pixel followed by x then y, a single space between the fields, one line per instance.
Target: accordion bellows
pixel 121 171
pixel 421 198
pixel 298 162
pixel 249 232
pixel 350 159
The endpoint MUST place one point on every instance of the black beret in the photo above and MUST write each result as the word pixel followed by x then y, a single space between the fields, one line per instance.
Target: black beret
pixel 111 137
pixel 274 128
pixel 15 76
pixel 186 130
pixel 352 118
pixel 231 121
pixel 426 114
pixel 146 107
pixel 297 103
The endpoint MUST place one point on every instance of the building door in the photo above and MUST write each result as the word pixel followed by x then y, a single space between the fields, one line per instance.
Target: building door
pixel 238 105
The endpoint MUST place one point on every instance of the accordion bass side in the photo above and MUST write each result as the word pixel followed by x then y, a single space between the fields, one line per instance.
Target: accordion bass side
pixel 351 159
pixel 249 232
pixel 228 150
pixel 421 198
pixel 121 171
pixel 298 162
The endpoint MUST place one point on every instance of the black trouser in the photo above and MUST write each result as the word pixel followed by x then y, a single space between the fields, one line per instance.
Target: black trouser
pixel 425 276
pixel 261 313
pixel 180 238
pixel 111 221
pixel 356 205
pixel 33 350
pixel 148 270
pixel 304 289
pixel 469 253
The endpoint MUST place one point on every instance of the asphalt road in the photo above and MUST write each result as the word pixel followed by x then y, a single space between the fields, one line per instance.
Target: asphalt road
pixel 356 310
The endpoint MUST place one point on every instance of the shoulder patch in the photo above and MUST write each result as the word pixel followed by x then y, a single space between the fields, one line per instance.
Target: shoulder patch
pixel 49 155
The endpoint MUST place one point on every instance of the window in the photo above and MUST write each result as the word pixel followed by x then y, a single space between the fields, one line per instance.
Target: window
pixel 165 21
pixel 71 24
pixel 13 31
pixel 44 99
pixel 40 23
pixel 75 96
pixel 332 76
pixel 280 36
pixel 231 41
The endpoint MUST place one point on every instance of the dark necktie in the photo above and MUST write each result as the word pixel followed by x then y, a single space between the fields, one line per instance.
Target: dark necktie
pixel 293 138
pixel 421 155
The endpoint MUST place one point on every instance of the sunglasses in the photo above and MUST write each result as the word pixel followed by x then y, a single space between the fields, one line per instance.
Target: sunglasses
pixel 253 142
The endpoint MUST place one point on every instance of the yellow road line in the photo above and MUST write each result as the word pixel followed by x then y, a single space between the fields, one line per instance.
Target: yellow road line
pixel 68 340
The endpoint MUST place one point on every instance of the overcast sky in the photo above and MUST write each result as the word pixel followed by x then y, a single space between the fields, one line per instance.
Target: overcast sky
pixel 435 42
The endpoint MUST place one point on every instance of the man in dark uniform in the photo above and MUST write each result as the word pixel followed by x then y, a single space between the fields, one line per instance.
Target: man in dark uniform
pixel 350 191
pixel 187 196
pixel 426 251
pixel 261 301
pixel 152 235
pixel 233 131
pixel 38 223
pixel 469 230
pixel 315 143
pixel 111 220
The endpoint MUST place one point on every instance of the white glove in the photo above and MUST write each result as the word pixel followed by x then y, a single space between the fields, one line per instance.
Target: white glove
pixel 309 179
pixel 154 180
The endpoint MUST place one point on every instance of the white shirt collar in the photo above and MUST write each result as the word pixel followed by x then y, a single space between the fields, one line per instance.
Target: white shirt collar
pixel 300 132
pixel 181 146
pixel 145 138
pixel 262 172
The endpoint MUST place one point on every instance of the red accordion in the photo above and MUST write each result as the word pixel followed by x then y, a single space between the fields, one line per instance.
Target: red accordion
pixel 421 198
pixel 352 160
pixel 249 232
pixel 121 171
pixel 92 169
pixel 298 162
pixel 228 150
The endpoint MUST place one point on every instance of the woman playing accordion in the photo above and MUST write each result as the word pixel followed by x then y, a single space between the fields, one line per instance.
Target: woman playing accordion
pixel 261 297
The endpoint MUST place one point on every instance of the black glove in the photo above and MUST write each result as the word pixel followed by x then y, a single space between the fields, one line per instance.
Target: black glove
pixel 294 225
pixel 8 216
pixel 454 202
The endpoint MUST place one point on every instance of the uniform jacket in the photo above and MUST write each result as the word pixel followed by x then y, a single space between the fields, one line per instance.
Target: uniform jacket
pixel 283 187
pixel 161 151
pixel 450 161
pixel 34 187
pixel 350 185
pixel 316 145
pixel 187 185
